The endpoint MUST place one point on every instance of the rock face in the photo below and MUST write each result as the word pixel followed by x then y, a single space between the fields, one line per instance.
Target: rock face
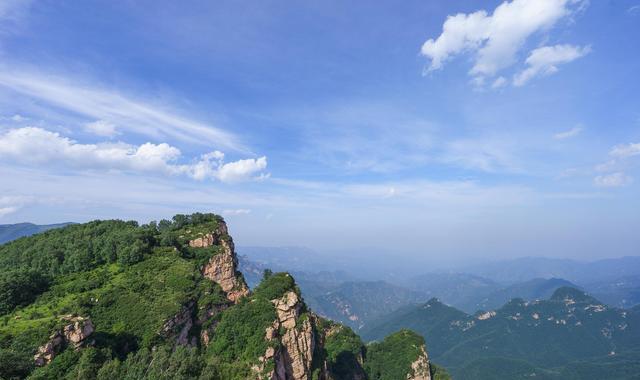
pixel 293 358
pixel 74 334
pixel 420 369
pixel 223 267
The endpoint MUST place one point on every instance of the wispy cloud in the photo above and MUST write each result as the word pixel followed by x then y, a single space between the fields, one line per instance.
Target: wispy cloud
pixel 617 179
pixel 128 113
pixel 573 132
pixel 37 146
pixel 11 204
pixel 484 154
pixel 497 38
pixel 545 61
pixel 625 150
pixel 239 211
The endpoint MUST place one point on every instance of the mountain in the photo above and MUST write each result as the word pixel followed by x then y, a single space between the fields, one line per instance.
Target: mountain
pixel 10 232
pixel 462 290
pixel 536 289
pixel 118 300
pixel 579 272
pixel 339 296
pixel 357 303
pixel 620 292
pixel 550 338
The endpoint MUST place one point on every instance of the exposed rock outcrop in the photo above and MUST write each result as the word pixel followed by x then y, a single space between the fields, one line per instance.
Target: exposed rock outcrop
pixel 223 267
pixel 180 326
pixel 420 368
pixel 75 334
pixel 294 356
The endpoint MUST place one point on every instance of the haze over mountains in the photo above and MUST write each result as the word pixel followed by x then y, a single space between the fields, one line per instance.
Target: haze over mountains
pixel 479 328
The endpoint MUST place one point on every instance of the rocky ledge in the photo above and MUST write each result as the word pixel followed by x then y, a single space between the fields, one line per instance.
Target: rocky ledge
pixel 74 334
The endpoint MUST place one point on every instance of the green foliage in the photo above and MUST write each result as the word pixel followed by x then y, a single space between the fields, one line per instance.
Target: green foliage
pixel 275 286
pixel 14 365
pixel 20 288
pixel 77 247
pixel 391 359
pixel 240 334
pixel 439 373
pixel 344 350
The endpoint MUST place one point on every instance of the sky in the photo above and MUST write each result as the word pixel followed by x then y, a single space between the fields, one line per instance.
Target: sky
pixel 422 130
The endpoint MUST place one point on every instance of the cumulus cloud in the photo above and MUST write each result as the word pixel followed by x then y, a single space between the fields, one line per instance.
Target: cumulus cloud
pixel 625 150
pixel 34 146
pixel 101 128
pixel 239 170
pixel 573 132
pixel 494 39
pixel 617 179
pixel 545 60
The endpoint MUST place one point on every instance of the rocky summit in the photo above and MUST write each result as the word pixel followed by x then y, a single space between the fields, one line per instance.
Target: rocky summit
pixel 118 300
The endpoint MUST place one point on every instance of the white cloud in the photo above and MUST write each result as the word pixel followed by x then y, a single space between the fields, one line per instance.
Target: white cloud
pixel 617 179
pixel 633 10
pixel 545 60
pixel 101 128
pixel 494 39
pixel 242 169
pixel 625 150
pixel 11 204
pixel 7 210
pixel 18 118
pixel 240 211
pixel 573 132
pixel 499 82
pixel 129 114
pixel 36 146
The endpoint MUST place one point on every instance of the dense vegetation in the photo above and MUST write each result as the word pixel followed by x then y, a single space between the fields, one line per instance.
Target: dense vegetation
pixel 391 359
pixel 138 284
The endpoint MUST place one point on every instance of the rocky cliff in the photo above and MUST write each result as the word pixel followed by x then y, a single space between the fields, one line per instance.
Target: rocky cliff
pixel 223 267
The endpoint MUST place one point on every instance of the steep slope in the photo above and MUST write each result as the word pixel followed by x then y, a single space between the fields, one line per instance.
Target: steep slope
pixel 9 232
pixel 115 300
pixel 543 335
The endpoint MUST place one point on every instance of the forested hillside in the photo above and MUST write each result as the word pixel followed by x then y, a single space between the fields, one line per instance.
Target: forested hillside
pixel 118 300
pixel 565 337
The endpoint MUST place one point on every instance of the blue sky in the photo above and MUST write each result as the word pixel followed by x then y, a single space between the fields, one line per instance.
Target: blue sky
pixel 426 129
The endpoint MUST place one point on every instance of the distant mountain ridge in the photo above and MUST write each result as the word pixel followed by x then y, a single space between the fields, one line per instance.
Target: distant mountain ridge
pixel 545 339
pixel 9 232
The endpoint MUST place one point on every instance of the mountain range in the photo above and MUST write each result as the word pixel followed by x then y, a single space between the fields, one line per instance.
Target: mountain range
pixel 10 232
pixel 571 335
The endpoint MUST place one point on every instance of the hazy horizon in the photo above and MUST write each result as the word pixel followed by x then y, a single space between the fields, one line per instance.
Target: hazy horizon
pixel 422 132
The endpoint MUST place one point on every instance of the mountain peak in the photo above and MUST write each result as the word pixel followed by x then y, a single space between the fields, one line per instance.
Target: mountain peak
pixel 569 294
